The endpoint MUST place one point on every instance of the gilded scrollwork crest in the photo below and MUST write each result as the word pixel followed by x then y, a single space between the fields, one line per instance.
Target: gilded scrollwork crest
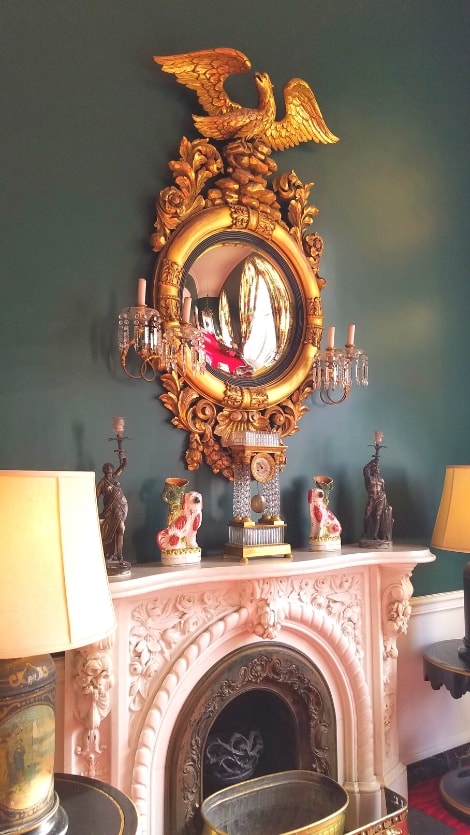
pixel 227 202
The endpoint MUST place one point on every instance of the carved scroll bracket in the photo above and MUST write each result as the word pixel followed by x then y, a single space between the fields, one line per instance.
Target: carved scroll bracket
pixel 93 680
pixel 396 611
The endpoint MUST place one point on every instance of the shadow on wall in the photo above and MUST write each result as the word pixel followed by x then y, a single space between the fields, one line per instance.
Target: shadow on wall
pixel 155 517
pixel 218 510
pixel 295 513
pixel 411 516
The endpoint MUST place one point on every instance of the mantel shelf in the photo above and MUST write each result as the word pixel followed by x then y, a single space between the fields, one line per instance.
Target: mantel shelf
pixel 153 576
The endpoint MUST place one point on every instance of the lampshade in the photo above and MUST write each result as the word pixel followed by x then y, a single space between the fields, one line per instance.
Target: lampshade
pixel 54 596
pixel 452 527
pixel 54 593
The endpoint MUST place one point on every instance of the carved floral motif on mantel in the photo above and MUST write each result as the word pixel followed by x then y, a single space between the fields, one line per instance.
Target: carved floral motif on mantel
pixel 164 624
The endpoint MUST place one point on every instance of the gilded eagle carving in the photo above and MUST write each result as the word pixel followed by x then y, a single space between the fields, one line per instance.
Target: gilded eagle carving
pixel 206 71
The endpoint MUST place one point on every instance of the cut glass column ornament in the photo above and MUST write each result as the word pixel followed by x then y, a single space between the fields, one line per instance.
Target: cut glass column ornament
pixel 257 457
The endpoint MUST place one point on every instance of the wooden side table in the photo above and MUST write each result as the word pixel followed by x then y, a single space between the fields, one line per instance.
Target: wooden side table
pixel 442 666
pixel 94 807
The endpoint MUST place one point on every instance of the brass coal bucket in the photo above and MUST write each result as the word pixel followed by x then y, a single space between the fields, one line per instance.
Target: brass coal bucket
pixel 288 803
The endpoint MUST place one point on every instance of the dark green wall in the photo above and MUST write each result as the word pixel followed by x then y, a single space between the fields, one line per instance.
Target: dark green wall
pixel 89 123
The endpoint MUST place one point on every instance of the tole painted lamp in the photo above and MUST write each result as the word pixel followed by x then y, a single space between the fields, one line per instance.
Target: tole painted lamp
pixel 452 532
pixel 54 596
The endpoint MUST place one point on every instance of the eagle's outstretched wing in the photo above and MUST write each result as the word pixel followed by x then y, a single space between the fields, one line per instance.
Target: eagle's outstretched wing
pixel 205 72
pixel 303 120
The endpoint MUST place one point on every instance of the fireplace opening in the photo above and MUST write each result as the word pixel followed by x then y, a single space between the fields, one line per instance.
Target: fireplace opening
pixel 261 709
pixel 254 735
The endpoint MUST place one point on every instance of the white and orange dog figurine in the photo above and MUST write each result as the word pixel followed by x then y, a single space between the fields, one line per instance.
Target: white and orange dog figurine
pixel 325 530
pixel 177 542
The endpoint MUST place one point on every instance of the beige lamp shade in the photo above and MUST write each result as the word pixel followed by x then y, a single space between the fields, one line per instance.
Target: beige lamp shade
pixel 54 591
pixel 452 527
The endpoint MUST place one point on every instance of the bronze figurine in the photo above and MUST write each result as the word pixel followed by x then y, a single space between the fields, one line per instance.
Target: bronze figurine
pixel 114 508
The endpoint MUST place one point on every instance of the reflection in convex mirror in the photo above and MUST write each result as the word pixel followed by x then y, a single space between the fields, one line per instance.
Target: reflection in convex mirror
pixel 241 302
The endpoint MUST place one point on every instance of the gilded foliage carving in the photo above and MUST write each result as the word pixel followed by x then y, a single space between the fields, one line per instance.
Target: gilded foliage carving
pixel 205 421
pixel 199 161
pixel 228 187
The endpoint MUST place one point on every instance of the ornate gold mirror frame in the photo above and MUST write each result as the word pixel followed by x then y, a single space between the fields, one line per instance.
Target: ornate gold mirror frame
pixel 225 194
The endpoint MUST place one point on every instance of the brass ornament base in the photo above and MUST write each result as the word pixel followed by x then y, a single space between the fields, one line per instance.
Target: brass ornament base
pixel 464 655
pixel 247 552
pixel 248 539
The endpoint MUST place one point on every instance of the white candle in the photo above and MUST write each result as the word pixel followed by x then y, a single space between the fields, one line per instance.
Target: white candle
pixel 351 332
pixel 186 309
pixel 331 337
pixel 378 436
pixel 141 289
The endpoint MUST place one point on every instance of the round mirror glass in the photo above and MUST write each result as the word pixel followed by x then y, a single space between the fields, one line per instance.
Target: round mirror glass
pixel 242 296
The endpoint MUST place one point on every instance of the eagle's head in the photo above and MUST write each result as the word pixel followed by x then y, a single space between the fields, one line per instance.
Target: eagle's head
pixel 263 81
pixel 265 87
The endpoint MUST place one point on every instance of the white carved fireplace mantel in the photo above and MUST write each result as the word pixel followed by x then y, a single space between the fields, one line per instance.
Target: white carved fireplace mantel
pixel 343 611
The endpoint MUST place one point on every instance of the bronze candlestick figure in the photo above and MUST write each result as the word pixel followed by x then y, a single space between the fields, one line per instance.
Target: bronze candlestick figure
pixel 378 519
pixel 114 508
